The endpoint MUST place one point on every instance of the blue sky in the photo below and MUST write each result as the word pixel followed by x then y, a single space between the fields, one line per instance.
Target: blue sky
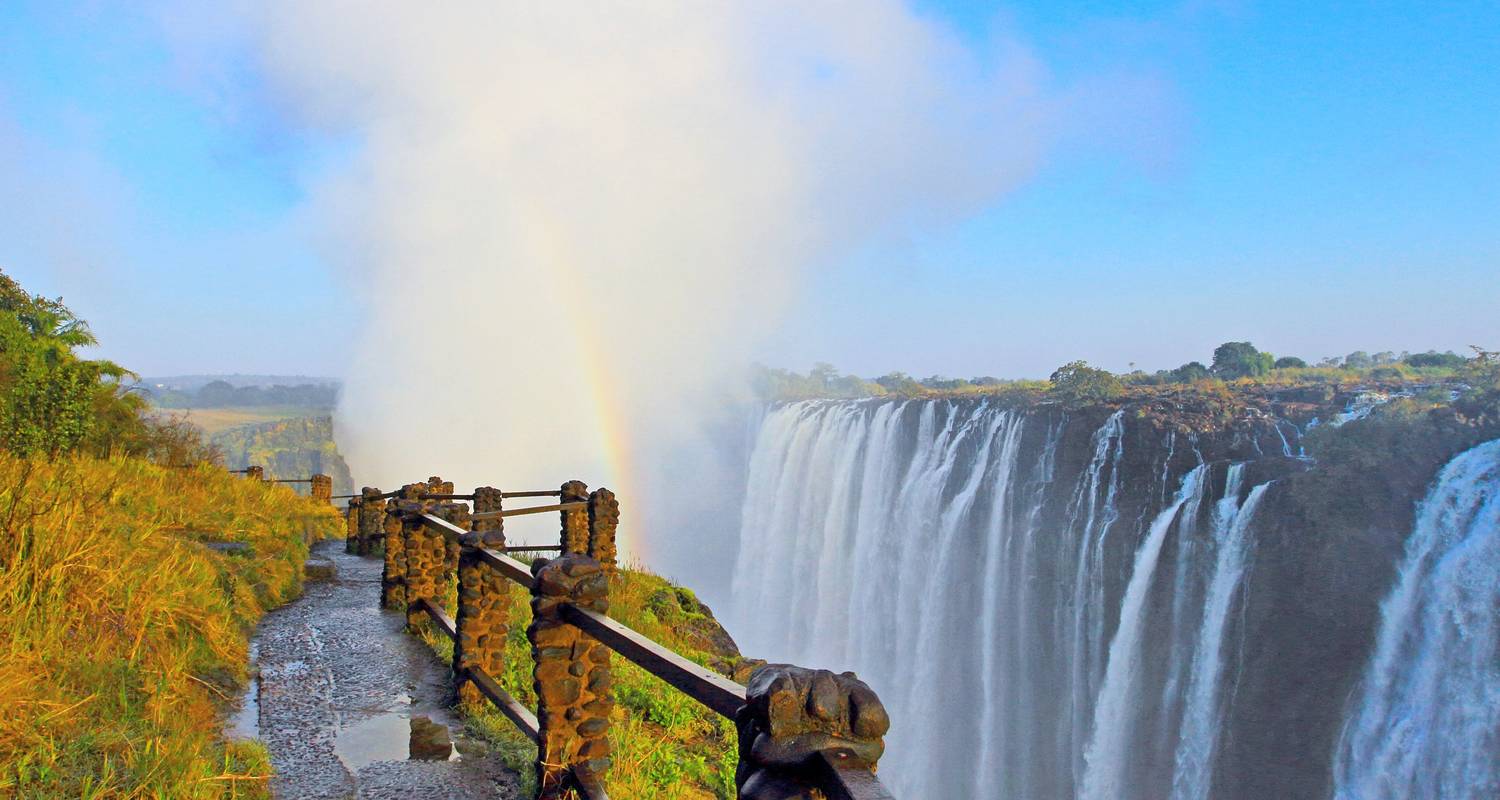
pixel 1316 178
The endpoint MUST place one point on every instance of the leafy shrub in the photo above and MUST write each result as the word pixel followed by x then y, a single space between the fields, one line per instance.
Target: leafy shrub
pixel 1433 358
pixel 1240 360
pixel 1289 362
pixel 1077 382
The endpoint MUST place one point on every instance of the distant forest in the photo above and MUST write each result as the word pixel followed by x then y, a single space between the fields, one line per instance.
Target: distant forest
pixel 222 394
pixel 1237 362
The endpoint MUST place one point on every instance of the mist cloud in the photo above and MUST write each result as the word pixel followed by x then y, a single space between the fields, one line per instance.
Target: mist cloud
pixel 569 224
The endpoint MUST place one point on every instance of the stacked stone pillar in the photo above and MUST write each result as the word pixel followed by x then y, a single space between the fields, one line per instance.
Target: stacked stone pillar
pixel 571 676
pixel 575 524
pixel 604 519
pixel 393 593
pixel 372 520
pixel 426 563
pixel 457 515
pixel 255 473
pixel 322 488
pixel 481 620
pixel 492 531
pixel 351 526
pixel 793 715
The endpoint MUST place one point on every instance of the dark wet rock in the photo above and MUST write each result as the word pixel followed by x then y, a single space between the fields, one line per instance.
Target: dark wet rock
pixel 319 569
pixel 429 740
pixel 340 686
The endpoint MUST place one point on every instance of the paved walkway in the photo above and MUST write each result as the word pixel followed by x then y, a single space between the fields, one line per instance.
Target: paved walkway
pixel 340 685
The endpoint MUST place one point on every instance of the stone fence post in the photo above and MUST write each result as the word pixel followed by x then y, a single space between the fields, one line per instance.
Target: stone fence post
pixel 488 498
pixel 604 519
pixel 457 515
pixel 571 676
pixel 575 524
pixel 393 578
pixel 322 488
pixel 255 473
pixel 351 525
pixel 371 520
pixel 425 551
pixel 791 715
pixel 481 620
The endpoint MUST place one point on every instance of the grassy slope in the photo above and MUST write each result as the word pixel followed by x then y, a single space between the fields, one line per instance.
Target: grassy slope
pixel 123 635
pixel 214 420
pixel 666 745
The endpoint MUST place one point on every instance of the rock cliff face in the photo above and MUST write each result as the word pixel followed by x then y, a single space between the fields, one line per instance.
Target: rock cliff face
pixel 1175 597
pixel 290 448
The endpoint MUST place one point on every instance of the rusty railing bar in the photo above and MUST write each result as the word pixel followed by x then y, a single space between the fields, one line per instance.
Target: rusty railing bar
pixel 718 693
pixel 541 493
pixel 577 505
pixel 439 617
pixel 526 548
pixel 290 480
pixel 846 782
pixel 445 497
pixel 518 714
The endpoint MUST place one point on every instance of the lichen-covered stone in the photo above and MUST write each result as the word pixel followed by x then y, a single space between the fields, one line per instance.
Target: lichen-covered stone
pixel 351 526
pixel 395 579
pixel 488 498
pixel 604 519
pixel 481 622
pixel 322 488
pixel 255 473
pixel 792 714
pixel 571 675
pixel 372 520
pixel 575 524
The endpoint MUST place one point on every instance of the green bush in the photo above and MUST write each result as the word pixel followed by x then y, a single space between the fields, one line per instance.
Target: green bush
pixel 1240 360
pixel 1077 382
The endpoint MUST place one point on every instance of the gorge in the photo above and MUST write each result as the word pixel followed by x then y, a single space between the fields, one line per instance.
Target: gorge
pixel 1145 600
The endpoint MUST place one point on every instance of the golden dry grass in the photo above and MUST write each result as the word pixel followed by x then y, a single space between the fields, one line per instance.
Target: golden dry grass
pixel 123 635
pixel 214 420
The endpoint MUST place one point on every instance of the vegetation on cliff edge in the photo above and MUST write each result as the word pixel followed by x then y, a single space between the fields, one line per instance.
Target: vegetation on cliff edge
pixel 124 634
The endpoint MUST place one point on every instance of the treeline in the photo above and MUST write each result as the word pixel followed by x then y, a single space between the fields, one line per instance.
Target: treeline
pixel 1233 360
pixel 53 401
pixel 222 394
pixel 1078 382
pixel 824 380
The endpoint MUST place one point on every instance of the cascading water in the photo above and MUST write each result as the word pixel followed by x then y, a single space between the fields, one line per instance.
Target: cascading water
pixel 997 576
pixel 1426 722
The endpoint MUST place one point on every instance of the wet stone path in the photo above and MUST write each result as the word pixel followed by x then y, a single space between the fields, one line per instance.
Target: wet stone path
pixel 344 699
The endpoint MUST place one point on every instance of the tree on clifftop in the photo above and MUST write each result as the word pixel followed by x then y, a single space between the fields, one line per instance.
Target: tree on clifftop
pixel 1240 360
pixel 1077 382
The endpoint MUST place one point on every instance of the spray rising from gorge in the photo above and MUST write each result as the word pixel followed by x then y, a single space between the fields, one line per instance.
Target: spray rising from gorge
pixel 569 232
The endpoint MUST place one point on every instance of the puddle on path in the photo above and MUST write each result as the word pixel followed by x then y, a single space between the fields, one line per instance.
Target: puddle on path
pixel 245 722
pixel 383 737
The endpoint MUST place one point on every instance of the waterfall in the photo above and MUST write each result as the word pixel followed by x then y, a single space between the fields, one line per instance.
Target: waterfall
pixel 1201 715
pixel 1105 757
pixel 1001 579
pixel 1426 722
